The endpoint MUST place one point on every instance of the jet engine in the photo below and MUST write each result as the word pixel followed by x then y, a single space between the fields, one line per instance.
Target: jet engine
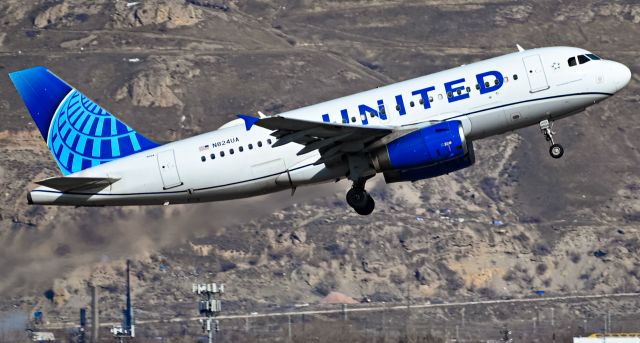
pixel 428 152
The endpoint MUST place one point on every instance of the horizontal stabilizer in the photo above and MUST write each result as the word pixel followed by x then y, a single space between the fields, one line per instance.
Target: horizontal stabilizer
pixel 70 183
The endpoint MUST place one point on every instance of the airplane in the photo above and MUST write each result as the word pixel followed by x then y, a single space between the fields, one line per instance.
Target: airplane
pixel 408 131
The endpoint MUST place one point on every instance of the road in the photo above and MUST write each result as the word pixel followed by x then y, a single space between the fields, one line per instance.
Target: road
pixel 360 308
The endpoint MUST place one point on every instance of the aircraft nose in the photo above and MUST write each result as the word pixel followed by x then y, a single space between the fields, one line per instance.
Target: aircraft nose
pixel 621 75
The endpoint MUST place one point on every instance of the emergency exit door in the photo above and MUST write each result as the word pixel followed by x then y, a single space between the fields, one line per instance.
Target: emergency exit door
pixel 535 73
pixel 168 169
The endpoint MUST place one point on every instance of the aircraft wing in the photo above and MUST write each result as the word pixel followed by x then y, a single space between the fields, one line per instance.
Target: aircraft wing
pixel 331 139
pixel 71 183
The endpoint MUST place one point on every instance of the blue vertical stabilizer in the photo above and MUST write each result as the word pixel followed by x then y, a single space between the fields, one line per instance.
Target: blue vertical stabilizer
pixel 79 133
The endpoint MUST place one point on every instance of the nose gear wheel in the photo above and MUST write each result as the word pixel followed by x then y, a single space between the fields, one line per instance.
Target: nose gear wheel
pixel 555 150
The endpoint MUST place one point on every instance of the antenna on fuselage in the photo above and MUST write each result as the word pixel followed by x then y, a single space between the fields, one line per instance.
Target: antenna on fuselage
pixel 520 49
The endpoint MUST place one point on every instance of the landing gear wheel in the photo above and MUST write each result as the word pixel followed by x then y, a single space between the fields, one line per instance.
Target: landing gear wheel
pixel 357 197
pixel 556 150
pixel 360 201
pixel 368 208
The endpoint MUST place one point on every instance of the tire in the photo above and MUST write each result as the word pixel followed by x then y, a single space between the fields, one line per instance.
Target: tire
pixel 357 198
pixel 368 208
pixel 556 151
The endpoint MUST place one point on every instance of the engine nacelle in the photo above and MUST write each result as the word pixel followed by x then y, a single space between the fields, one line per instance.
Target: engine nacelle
pixel 428 146
pixel 432 170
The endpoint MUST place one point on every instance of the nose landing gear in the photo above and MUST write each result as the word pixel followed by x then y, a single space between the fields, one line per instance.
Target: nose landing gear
pixel 555 150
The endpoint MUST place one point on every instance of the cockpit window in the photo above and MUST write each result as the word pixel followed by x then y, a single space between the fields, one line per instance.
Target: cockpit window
pixel 572 62
pixel 583 59
pixel 593 57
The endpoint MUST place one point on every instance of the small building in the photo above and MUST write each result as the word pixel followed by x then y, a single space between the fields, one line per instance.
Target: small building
pixel 38 336
pixel 609 338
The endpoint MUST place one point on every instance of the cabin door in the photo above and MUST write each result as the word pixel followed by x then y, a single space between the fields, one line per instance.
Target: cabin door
pixel 535 73
pixel 168 169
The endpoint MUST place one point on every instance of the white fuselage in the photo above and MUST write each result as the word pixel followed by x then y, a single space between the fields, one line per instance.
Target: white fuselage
pixel 538 84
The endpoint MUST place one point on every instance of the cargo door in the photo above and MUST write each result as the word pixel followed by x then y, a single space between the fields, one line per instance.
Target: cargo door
pixel 168 169
pixel 535 73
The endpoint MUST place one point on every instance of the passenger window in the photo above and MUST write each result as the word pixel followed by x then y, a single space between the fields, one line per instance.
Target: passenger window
pixel 421 101
pixel 213 156
pixel 250 146
pixel 397 107
pixel 439 96
pixel 477 86
pixel 430 99
pixel 583 59
pixel 241 149
pixel 269 141
pixel 231 151
pixel 345 121
pixel 221 153
pixel 572 61
pixel 496 81
pixel 487 84
pixel 449 94
pixel 259 144
pixel 506 79
pixel 515 77
pixel 353 119
pixel 372 114
pixel 468 89
pixel 412 104
pixel 383 111
pixel 203 158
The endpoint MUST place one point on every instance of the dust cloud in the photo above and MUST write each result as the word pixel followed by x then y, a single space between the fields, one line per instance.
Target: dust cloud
pixel 33 257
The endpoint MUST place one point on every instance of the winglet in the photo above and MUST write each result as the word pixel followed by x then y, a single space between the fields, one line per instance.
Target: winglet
pixel 520 49
pixel 248 120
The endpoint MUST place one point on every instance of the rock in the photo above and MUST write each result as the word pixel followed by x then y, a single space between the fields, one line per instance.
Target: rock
pixel 293 236
pixel 338 298
pixel 599 253
pixel 172 14
pixel 153 87
pixel 365 266
pixel 51 15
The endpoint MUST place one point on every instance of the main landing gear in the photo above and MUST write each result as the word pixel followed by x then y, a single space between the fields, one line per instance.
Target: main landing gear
pixel 555 150
pixel 360 171
pixel 359 199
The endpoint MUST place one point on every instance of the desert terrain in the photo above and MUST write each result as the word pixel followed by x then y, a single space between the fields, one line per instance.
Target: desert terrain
pixel 514 223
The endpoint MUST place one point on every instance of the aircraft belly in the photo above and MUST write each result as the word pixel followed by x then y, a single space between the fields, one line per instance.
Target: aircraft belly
pixel 504 119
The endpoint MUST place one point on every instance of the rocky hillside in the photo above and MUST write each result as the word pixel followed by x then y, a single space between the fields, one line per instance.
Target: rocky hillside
pixel 514 223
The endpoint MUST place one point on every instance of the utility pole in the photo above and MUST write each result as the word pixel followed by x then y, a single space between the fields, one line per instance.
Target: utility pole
pixel 83 324
pixel 127 329
pixel 553 325
pixel 95 322
pixel 209 306
pixel 289 317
